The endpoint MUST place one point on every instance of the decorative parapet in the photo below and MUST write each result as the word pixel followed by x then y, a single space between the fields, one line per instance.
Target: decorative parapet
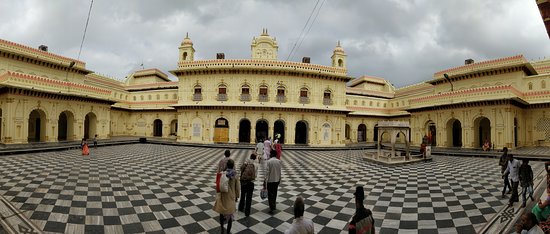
pixel 20 80
pixel 39 54
pixel 173 84
pixel 467 95
pixel 482 66
pixel 542 69
pixel 400 124
pixel 365 92
pixel 267 64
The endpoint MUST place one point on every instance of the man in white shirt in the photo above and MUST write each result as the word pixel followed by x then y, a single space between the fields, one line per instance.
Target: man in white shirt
pixel 528 224
pixel 272 179
pixel 260 153
pixel 513 169
pixel 300 225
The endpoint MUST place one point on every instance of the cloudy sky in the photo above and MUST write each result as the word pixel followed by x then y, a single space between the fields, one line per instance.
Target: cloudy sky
pixel 403 41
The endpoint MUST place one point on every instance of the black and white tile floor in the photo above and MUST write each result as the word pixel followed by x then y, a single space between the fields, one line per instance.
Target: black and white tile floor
pixel 157 188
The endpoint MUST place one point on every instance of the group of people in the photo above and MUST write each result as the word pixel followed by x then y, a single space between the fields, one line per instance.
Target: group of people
pixel 516 173
pixel 241 184
pixel 84 145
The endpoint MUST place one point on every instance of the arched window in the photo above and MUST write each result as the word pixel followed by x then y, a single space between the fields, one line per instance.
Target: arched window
pixel 263 94
pixel 340 62
pixel 175 96
pixel 222 92
pixel 281 94
pixel 158 96
pixel 135 98
pixel 165 96
pixel 355 102
pixel 184 55
pixel 327 97
pixel 149 96
pixel 197 93
pixel 141 97
pixel 363 103
pixel 543 84
pixel 530 86
pixel 245 93
pixel 347 101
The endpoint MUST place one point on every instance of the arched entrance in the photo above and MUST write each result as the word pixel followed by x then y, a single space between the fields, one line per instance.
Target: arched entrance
pixel 431 133
pixel 279 129
pixel 482 126
pixel 515 132
pixel 244 131
pixel 301 132
pixel 362 133
pixel 90 125
pixel 348 132
pixel 37 126
pixel 221 131
pixel 261 130
pixel 157 128
pixel 174 127
pixel 454 133
pixel 65 128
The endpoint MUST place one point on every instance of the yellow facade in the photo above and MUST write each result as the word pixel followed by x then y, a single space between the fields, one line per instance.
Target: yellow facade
pixel 49 98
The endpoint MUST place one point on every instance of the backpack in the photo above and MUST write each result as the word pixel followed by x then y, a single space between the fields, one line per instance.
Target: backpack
pixel 248 172
pixel 222 182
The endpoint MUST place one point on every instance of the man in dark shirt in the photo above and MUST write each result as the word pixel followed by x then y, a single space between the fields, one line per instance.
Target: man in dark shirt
pixel 362 221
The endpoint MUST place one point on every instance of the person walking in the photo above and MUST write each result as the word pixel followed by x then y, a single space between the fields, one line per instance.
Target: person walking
pixel 513 169
pixel 362 221
pixel 526 181
pixel 95 141
pixel 300 225
pixel 260 152
pixel 222 165
pixel 278 148
pixel 249 172
pixel 225 202
pixel 267 148
pixel 503 162
pixel 272 179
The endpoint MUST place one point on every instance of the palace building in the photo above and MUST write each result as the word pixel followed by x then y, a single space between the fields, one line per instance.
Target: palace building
pixel 48 98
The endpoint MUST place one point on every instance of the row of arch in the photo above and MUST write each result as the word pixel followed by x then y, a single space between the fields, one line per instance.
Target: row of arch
pixel 482 132
pixel 37 126
pixel 263 90
pixel 221 131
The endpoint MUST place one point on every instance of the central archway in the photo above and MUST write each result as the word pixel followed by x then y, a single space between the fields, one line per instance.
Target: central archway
pixel 362 133
pixel 90 123
pixel 157 128
pixel 261 130
pixel 279 130
pixel 301 132
pixel 375 131
pixel 244 131
pixel 37 126
pixel 482 126
pixel 65 128
pixel 347 132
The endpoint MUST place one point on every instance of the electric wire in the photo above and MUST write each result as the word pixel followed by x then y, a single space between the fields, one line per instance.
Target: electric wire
pixel 85 29
pixel 310 26
pixel 303 29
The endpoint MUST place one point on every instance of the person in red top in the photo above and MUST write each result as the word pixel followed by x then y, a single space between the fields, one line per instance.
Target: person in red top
pixel 278 148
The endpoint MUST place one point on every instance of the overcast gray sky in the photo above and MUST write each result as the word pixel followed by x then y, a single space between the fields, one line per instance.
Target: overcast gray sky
pixel 403 41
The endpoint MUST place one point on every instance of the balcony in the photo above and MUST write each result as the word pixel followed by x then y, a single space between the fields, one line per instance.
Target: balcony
pixel 222 97
pixel 197 97
pixel 327 101
pixel 304 100
pixel 281 98
pixel 263 98
pixel 245 97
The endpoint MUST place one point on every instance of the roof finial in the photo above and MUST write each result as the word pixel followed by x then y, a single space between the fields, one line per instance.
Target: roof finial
pixel 187 35
pixel 338 43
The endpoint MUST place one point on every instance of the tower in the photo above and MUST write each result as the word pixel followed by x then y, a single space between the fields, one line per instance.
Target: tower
pixel 187 52
pixel 338 56
pixel 264 47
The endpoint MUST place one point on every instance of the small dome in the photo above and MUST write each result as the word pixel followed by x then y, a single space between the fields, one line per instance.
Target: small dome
pixel 187 40
pixel 338 48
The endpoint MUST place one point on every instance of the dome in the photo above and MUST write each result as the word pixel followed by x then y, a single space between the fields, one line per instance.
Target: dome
pixel 338 48
pixel 187 40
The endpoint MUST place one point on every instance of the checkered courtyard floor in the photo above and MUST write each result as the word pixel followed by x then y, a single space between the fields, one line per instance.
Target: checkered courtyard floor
pixel 151 188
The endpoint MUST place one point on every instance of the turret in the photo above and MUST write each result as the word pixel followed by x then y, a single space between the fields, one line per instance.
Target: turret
pixel 187 52
pixel 338 56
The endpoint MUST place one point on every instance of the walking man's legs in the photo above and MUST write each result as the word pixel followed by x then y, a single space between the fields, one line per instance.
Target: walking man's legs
pixel 249 192
pixel 272 194
pixel 524 195
pixel 515 195
pixel 506 185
